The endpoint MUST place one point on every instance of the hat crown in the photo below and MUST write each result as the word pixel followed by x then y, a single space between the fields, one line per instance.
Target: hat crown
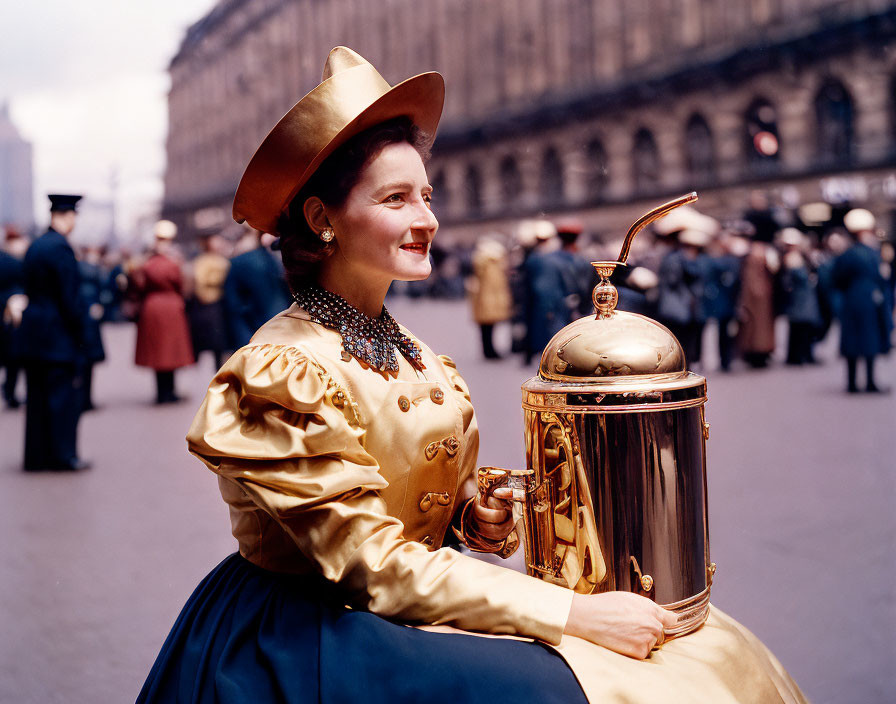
pixel 351 97
pixel 341 58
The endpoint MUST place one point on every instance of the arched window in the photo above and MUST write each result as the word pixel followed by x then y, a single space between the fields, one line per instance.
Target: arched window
pixel 645 161
pixel 440 196
pixel 761 137
pixel 511 181
pixel 834 123
pixel 597 172
pixel 551 177
pixel 473 190
pixel 699 150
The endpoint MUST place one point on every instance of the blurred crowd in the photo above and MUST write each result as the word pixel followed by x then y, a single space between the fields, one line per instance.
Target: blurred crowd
pixel 813 265
pixel 182 307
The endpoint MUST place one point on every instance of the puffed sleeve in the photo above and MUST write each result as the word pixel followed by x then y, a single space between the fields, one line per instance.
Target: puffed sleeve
pixel 269 424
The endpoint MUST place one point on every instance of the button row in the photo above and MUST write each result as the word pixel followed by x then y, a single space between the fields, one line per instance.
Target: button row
pixel 436 395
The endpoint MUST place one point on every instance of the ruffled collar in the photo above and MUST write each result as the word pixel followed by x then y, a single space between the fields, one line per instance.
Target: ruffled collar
pixel 371 340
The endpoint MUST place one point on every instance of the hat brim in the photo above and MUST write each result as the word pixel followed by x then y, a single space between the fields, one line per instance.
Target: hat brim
pixel 420 98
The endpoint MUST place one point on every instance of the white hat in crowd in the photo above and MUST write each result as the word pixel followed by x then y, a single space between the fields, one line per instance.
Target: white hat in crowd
pixel 859 220
pixel 165 230
pixel 686 218
pixel 791 237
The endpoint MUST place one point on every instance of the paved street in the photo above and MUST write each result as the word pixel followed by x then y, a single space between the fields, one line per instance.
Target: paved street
pixel 802 484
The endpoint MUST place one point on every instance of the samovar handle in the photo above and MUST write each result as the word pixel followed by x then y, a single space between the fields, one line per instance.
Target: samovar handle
pixel 605 295
pixel 650 217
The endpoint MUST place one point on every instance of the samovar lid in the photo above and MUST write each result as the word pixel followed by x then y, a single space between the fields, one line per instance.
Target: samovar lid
pixel 615 345
pixel 621 345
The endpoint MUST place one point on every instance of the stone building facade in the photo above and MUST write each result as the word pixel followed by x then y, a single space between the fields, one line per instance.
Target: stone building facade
pixel 16 176
pixel 593 108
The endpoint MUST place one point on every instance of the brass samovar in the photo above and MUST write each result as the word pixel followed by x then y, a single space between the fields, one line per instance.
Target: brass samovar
pixel 614 497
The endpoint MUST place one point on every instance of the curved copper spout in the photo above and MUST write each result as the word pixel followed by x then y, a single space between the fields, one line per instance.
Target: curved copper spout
pixel 653 215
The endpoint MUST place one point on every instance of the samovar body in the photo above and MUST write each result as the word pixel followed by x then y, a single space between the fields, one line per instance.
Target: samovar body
pixel 615 497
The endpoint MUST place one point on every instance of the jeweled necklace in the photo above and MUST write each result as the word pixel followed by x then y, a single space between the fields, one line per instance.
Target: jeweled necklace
pixel 371 340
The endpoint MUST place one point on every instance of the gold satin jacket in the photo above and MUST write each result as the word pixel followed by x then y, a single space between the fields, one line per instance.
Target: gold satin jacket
pixel 333 468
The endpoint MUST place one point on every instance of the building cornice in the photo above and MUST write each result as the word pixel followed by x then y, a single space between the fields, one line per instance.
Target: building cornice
pixel 841 37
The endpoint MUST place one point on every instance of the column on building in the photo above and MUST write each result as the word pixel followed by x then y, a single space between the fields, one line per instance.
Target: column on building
pixel 869 84
pixel 793 103
pixel 724 114
pixel 618 145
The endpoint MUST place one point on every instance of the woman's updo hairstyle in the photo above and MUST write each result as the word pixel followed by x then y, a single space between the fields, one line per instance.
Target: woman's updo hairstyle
pixel 301 247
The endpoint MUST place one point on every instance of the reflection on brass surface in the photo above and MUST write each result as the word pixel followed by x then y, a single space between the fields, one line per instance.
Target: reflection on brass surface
pixel 616 444
pixel 624 345
pixel 645 580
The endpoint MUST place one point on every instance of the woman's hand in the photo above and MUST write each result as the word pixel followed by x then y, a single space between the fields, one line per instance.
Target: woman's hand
pixel 627 623
pixel 493 515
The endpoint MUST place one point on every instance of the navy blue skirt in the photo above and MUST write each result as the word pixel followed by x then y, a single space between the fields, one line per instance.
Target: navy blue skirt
pixel 251 635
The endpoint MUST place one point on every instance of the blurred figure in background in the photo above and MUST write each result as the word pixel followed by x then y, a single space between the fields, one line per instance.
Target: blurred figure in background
pixel 680 304
pixel 524 243
pixel 761 217
pixel 799 298
pixel 163 335
pixel 888 274
pixel 489 291
pixel 546 290
pixel 208 319
pixel 577 271
pixel 865 322
pixel 756 308
pixel 255 289
pixel 637 288
pixel 12 287
pixel 52 344
pixel 722 289
pixel 93 282
pixel 115 286
pixel 829 297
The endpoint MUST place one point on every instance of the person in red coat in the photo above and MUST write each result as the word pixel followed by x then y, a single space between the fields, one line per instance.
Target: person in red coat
pixel 163 334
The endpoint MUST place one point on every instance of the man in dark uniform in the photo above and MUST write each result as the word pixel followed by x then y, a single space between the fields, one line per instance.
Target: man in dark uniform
pixel 52 342
pixel 12 281
pixel 255 290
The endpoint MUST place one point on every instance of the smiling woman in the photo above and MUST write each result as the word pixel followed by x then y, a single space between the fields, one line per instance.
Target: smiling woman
pixel 371 197
pixel 346 451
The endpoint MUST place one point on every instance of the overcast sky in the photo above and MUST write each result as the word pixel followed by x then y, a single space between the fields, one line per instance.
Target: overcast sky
pixel 87 84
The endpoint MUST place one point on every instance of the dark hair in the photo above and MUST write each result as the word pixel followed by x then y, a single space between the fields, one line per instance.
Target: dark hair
pixel 301 247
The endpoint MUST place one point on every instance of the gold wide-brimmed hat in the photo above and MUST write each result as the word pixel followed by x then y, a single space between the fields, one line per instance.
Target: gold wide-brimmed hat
pixel 351 97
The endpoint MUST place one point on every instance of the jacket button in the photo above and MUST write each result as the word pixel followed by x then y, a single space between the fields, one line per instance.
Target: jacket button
pixel 437 395
pixel 404 404
pixel 441 498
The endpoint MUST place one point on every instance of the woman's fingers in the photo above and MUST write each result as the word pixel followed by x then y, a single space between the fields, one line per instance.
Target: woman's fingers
pixel 627 623
pixel 669 619
pixel 491 515
pixel 494 500
pixel 505 493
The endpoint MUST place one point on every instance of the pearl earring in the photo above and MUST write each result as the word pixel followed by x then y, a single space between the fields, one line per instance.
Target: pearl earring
pixel 327 234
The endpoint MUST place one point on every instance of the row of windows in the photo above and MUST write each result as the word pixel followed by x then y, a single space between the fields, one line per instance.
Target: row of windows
pixel 761 148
